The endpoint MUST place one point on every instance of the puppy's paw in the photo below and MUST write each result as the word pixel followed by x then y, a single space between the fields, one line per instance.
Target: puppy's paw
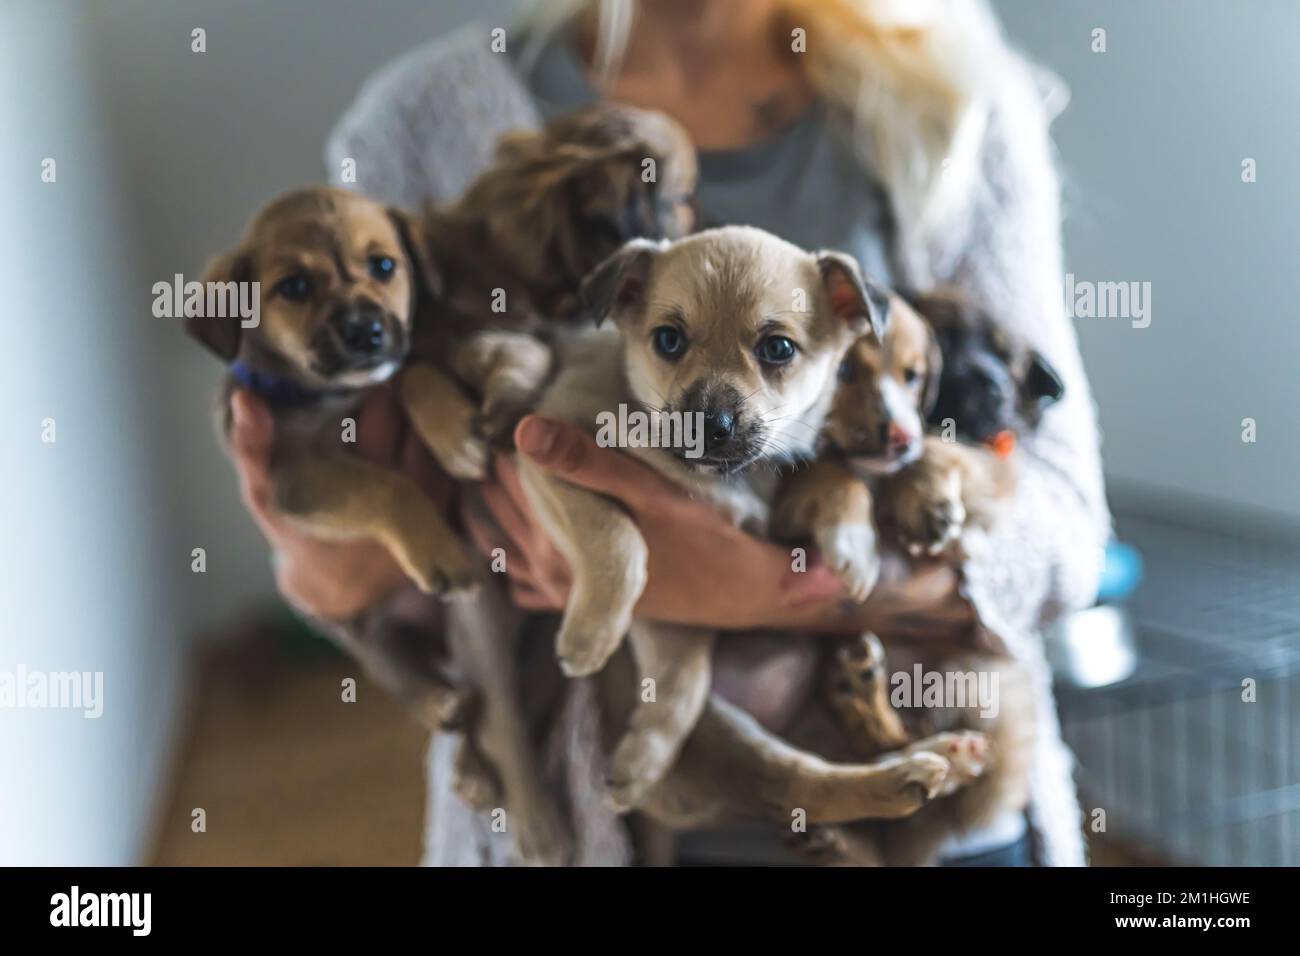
pixel 496 421
pixel 467 458
pixel 966 751
pixel 850 551
pixel 917 779
pixel 540 834
pixel 820 845
pixel 441 569
pixel 473 779
pixel 587 639
pixel 443 707
pixel 857 689
pixel 861 661
pixel 929 511
pixel 639 762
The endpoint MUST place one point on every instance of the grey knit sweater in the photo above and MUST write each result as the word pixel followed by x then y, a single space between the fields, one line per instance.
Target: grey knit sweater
pixel 425 125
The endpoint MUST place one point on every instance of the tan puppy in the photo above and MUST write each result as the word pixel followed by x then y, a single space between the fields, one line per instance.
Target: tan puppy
pixel 709 326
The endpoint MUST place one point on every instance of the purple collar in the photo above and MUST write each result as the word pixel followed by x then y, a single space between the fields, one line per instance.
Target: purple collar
pixel 275 390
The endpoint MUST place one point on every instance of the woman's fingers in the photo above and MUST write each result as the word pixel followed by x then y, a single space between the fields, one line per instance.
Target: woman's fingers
pixel 528 589
pixel 532 600
pixel 252 432
pixel 505 507
pixel 817 583
pixel 489 533
pixel 570 453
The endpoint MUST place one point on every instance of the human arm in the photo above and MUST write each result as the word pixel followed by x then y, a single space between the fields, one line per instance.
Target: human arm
pixel 702 569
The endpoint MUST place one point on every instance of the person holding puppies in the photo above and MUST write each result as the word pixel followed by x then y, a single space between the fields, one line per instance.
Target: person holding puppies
pixel 906 133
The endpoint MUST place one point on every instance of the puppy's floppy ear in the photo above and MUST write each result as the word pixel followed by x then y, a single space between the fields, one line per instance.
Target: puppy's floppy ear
pixel 424 271
pixel 516 144
pixel 222 334
pixel 1041 381
pixel 619 281
pixel 858 301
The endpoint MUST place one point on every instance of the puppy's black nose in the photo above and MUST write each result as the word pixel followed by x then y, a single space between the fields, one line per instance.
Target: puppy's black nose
pixel 719 428
pixel 362 331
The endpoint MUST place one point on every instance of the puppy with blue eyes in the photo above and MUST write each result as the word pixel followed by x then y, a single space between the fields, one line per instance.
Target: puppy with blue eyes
pixel 742 331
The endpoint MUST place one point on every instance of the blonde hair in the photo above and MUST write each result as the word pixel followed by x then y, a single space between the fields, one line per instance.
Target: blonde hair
pixel 912 81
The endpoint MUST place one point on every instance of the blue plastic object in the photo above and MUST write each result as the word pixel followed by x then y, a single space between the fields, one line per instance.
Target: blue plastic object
pixel 1120 574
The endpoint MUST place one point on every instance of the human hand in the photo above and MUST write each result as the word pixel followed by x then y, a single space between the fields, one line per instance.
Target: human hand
pixel 333 580
pixel 702 569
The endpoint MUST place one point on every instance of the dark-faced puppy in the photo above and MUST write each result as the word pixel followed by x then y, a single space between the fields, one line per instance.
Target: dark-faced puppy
pixel 994 387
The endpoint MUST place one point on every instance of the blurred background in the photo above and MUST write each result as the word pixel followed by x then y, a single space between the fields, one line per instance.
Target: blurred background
pixel 215 699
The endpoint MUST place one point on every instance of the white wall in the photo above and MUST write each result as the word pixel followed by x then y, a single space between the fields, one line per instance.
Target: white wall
pixel 88 576
pixel 1152 145
pixel 161 154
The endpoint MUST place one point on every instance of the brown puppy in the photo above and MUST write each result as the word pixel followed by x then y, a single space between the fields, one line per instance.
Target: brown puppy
pixel 341 288
pixel 512 253
pixel 705 327
pixel 341 285
pixel 877 470
pixel 513 250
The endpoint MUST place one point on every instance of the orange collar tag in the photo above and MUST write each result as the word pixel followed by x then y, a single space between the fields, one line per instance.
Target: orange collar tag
pixel 1003 443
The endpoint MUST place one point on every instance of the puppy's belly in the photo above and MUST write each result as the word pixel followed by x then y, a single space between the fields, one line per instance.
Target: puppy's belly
pixel 769 675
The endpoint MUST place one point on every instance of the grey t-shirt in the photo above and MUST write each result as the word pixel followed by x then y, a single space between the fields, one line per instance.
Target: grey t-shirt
pixel 804 183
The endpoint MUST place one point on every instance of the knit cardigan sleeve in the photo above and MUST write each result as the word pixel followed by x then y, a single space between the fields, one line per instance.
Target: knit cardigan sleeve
pixel 1045 556
pixel 426 124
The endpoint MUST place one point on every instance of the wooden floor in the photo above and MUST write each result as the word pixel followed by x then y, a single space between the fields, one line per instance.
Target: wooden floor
pixel 288 774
